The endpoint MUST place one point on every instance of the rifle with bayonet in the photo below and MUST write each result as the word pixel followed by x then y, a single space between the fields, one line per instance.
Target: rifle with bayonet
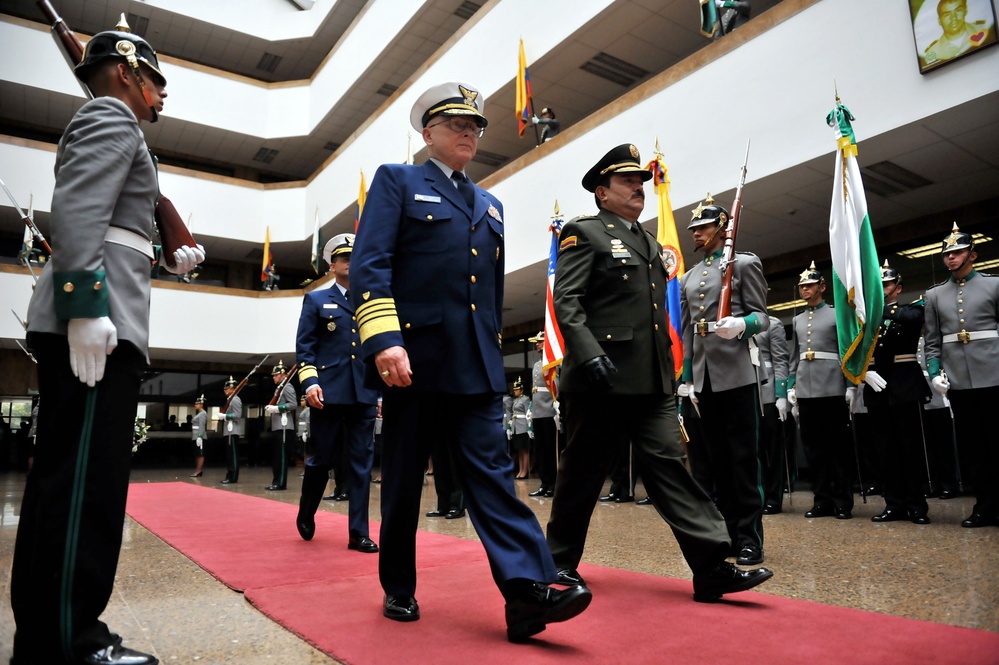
pixel 239 386
pixel 169 223
pixel 728 250
pixel 30 223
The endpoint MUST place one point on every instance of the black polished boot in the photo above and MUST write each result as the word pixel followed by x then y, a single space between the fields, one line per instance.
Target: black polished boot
pixel 313 485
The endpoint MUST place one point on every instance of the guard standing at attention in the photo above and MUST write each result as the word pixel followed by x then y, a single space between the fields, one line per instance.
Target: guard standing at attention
pixel 427 282
pixel 88 328
pixel 199 435
pixel 232 429
pixel 962 357
pixel 543 424
pixel 774 460
pixel 608 292
pixel 816 384
pixel 342 409
pixel 721 378
pixel 897 411
pixel 282 422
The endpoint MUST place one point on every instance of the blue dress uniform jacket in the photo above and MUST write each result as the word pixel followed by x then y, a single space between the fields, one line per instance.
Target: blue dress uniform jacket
pixel 427 274
pixel 421 280
pixel 328 349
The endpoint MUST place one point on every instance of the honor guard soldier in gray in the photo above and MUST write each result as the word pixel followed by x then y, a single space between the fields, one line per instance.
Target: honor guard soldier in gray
pixel 543 424
pixel 617 382
pixel 283 428
pixel 199 434
pixel 962 358
pixel 232 428
pixel 775 463
pixel 816 385
pixel 720 376
pixel 88 324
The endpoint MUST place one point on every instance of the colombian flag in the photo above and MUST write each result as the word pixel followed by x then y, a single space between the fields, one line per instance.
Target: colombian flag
pixel 361 196
pixel 267 267
pixel 672 257
pixel 524 102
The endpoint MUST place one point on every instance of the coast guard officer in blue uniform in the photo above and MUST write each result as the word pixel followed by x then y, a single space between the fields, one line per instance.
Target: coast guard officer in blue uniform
pixel 342 409
pixel 427 282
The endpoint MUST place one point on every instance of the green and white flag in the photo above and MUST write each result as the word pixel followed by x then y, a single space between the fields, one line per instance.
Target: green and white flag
pixel 316 252
pixel 709 18
pixel 857 291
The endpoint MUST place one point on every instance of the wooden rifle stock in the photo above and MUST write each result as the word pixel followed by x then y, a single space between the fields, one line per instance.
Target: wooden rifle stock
pixel 728 251
pixel 173 232
pixel 280 386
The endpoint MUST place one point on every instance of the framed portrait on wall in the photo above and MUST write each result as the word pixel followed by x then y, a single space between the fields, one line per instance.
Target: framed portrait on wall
pixel 948 30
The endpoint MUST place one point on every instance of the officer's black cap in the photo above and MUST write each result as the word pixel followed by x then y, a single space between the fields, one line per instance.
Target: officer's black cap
pixel 622 159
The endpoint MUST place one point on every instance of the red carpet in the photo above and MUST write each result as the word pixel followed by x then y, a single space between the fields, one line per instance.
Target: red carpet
pixel 330 596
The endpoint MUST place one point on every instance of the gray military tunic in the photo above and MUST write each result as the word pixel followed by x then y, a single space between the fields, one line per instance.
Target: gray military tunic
pixel 287 405
pixel 542 405
pixel 813 366
pixel 232 421
pixel 970 306
pixel 199 427
pixel 727 361
pixel 773 361
pixel 518 417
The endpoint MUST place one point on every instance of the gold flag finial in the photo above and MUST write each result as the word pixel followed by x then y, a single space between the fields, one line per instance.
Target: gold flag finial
pixel 659 152
pixel 122 24
pixel 557 213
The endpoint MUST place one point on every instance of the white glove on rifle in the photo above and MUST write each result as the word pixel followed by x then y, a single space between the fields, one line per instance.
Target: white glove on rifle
pixel 682 390
pixel 91 341
pixel 534 119
pixel 730 327
pixel 874 380
pixel 851 399
pixel 940 384
pixel 186 259
pixel 782 408
pixel 792 397
pixel 271 409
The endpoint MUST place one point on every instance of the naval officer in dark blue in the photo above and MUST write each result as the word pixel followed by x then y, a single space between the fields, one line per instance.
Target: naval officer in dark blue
pixel 342 409
pixel 427 281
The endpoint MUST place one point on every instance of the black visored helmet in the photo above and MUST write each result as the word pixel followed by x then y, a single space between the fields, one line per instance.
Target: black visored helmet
pixel 707 213
pixel 107 44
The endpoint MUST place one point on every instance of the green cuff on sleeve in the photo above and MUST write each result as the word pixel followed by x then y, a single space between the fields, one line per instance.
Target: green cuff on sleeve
pixel 790 384
pixel 688 370
pixel 933 367
pixel 80 294
pixel 753 324
pixel 781 389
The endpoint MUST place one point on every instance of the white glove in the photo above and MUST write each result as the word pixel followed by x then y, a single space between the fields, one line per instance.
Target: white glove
pixel 555 406
pixel 683 390
pixel 186 259
pixel 782 408
pixel 509 435
pixel 690 392
pixel 530 434
pixel 851 398
pixel 730 327
pixel 534 119
pixel 91 341
pixel 271 408
pixel 874 380
pixel 940 384
pixel 792 397
pixel 558 421
pixel 794 411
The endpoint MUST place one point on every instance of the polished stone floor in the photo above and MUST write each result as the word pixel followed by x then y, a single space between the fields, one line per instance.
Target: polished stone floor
pixel 166 605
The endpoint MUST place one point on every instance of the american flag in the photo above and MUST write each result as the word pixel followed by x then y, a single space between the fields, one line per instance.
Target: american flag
pixel 554 349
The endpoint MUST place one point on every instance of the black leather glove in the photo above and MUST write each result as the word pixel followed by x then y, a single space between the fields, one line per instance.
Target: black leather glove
pixel 600 372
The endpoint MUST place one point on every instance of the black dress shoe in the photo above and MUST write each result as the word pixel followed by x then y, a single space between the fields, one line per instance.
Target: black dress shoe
pixel 342 496
pixel 539 605
pixel 890 515
pixel 770 508
pixel 949 494
pixel 455 513
pixel 978 520
pixel 820 511
pixel 624 498
pixel 844 514
pixel 362 544
pixel 198 475
pixel 920 518
pixel 116 654
pixel 438 513
pixel 306 526
pixel 329 497
pixel 723 578
pixel 608 497
pixel 275 488
pixel 227 481
pixel 541 491
pixel 749 555
pixel 401 608
pixel 570 577
pixel 644 502
pixel 549 493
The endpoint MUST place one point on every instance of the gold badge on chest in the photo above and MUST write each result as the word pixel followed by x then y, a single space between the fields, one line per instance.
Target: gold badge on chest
pixel 331 326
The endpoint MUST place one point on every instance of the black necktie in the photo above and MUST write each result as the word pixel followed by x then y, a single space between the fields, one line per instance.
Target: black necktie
pixel 637 230
pixel 465 188
pixel 346 294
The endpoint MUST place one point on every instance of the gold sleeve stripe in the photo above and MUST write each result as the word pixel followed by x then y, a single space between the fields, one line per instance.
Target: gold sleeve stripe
pixel 376 317
pixel 376 308
pixel 307 372
pixel 378 325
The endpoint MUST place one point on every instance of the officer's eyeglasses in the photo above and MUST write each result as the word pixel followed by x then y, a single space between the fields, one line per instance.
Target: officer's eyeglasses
pixel 459 126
